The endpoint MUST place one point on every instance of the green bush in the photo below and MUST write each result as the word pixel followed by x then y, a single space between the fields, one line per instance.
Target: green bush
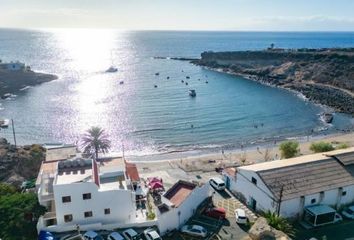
pixel 342 146
pixel 279 223
pixel 289 149
pixel 321 147
pixel 19 213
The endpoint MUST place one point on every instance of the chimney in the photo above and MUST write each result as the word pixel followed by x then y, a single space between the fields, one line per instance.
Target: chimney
pixel 95 173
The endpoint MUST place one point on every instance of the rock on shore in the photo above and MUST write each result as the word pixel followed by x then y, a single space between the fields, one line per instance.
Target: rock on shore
pixel 325 76
pixel 13 81
pixel 19 163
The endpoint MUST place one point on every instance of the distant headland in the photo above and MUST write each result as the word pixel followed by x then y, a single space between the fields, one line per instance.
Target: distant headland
pixel 15 76
pixel 324 76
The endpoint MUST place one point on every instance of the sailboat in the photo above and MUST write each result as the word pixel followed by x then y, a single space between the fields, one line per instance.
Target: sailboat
pixel 112 68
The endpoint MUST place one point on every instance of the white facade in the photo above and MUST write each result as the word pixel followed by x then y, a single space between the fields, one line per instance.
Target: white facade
pixel 73 198
pixel 177 216
pixel 251 188
pixel 13 66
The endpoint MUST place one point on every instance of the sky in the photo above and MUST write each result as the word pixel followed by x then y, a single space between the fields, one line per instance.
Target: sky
pixel 244 15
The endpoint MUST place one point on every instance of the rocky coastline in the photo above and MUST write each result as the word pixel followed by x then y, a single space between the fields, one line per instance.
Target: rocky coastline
pixel 324 76
pixel 13 81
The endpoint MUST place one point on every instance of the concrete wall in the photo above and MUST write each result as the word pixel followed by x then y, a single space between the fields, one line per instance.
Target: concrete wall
pixel 120 202
pixel 291 208
pixel 249 190
pixel 172 219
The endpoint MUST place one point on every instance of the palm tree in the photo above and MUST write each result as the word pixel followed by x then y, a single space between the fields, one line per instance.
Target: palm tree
pixel 279 223
pixel 95 140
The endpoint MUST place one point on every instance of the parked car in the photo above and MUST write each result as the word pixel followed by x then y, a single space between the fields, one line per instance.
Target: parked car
pixel 338 218
pixel 115 236
pixel 91 235
pixel 151 234
pixel 131 234
pixel 240 215
pixel 348 212
pixel 194 230
pixel 217 183
pixel 216 212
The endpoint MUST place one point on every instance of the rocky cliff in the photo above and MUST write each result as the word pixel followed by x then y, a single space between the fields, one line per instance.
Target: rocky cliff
pixel 19 163
pixel 324 76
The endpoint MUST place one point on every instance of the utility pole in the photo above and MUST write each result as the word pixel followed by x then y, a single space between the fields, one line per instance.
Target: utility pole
pixel 13 132
pixel 280 199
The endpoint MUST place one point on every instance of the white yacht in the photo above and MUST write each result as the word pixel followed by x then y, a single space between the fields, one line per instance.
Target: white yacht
pixel 192 93
pixel 4 123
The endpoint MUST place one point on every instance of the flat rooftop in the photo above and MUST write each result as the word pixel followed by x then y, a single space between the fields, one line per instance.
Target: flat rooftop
pixel 59 153
pixel 179 192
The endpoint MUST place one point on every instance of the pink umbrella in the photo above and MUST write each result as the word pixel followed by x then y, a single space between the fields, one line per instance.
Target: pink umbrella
pixel 154 179
pixel 156 185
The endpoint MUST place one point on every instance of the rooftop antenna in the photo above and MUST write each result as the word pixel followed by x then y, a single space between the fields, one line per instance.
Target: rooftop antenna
pixel 123 151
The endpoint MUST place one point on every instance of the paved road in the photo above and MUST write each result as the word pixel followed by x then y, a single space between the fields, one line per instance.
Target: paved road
pixel 341 231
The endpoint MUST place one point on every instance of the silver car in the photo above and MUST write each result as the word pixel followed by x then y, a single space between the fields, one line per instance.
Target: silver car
pixel 194 230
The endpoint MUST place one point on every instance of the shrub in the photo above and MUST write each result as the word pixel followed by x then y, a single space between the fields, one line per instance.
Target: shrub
pixel 289 149
pixel 279 223
pixel 342 146
pixel 321 147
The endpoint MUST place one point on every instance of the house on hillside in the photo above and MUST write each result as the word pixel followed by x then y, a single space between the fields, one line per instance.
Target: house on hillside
pixel 179 203
pixel 288 186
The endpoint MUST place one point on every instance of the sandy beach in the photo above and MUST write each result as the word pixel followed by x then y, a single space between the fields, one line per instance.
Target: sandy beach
pixel 208 163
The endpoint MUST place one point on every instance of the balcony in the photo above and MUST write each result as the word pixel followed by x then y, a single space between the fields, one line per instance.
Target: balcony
pixel 49 215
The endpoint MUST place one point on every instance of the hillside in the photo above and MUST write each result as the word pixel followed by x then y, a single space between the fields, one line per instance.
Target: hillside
pixel 324 76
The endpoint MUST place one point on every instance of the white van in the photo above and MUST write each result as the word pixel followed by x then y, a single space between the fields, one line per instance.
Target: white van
pixel 217 183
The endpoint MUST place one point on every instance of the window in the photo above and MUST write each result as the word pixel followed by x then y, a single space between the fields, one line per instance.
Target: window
pixel 313 200
pixel 66 199
pixel 68 218
pixel 344 193
pixel 107 211
pixel 86 196
pixel 254 181
pixel 88 214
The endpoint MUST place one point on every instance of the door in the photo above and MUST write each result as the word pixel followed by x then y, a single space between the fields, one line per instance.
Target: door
pixel 253 204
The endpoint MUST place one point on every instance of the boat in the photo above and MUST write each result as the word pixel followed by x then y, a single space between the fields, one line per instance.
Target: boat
pixel 121 82
pixel 182 81
pixel 326 117
pixel 157 74
pixel 155 86
pixel 168 77
pixel 112 69
pixel 6 95
pixel 186 83
pixel 187 77
pixel 192 93
pixel 206 82
pixel 4 123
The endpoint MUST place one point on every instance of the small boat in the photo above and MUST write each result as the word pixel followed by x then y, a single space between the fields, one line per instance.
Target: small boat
pixel 157 74
pixel 186 83
pixel 155 86
pixel 187 77
pixel 168 77
pixel 112 69
pixel 326 117
pixel 121 82
pixel 4 123
pixel 192 93
pixel 206 82
pixel 6 95
pixel 182 81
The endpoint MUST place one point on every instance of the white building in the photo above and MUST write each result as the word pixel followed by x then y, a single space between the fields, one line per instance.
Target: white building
pixel 179 203
pixel 81 192
pixel 13 66
pixel 288 186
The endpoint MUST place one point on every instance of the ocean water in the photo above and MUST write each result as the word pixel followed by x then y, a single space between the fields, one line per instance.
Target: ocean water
pixel 227 112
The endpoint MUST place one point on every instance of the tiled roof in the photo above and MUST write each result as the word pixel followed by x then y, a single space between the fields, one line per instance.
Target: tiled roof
pixel 132 171
pixel 179 192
